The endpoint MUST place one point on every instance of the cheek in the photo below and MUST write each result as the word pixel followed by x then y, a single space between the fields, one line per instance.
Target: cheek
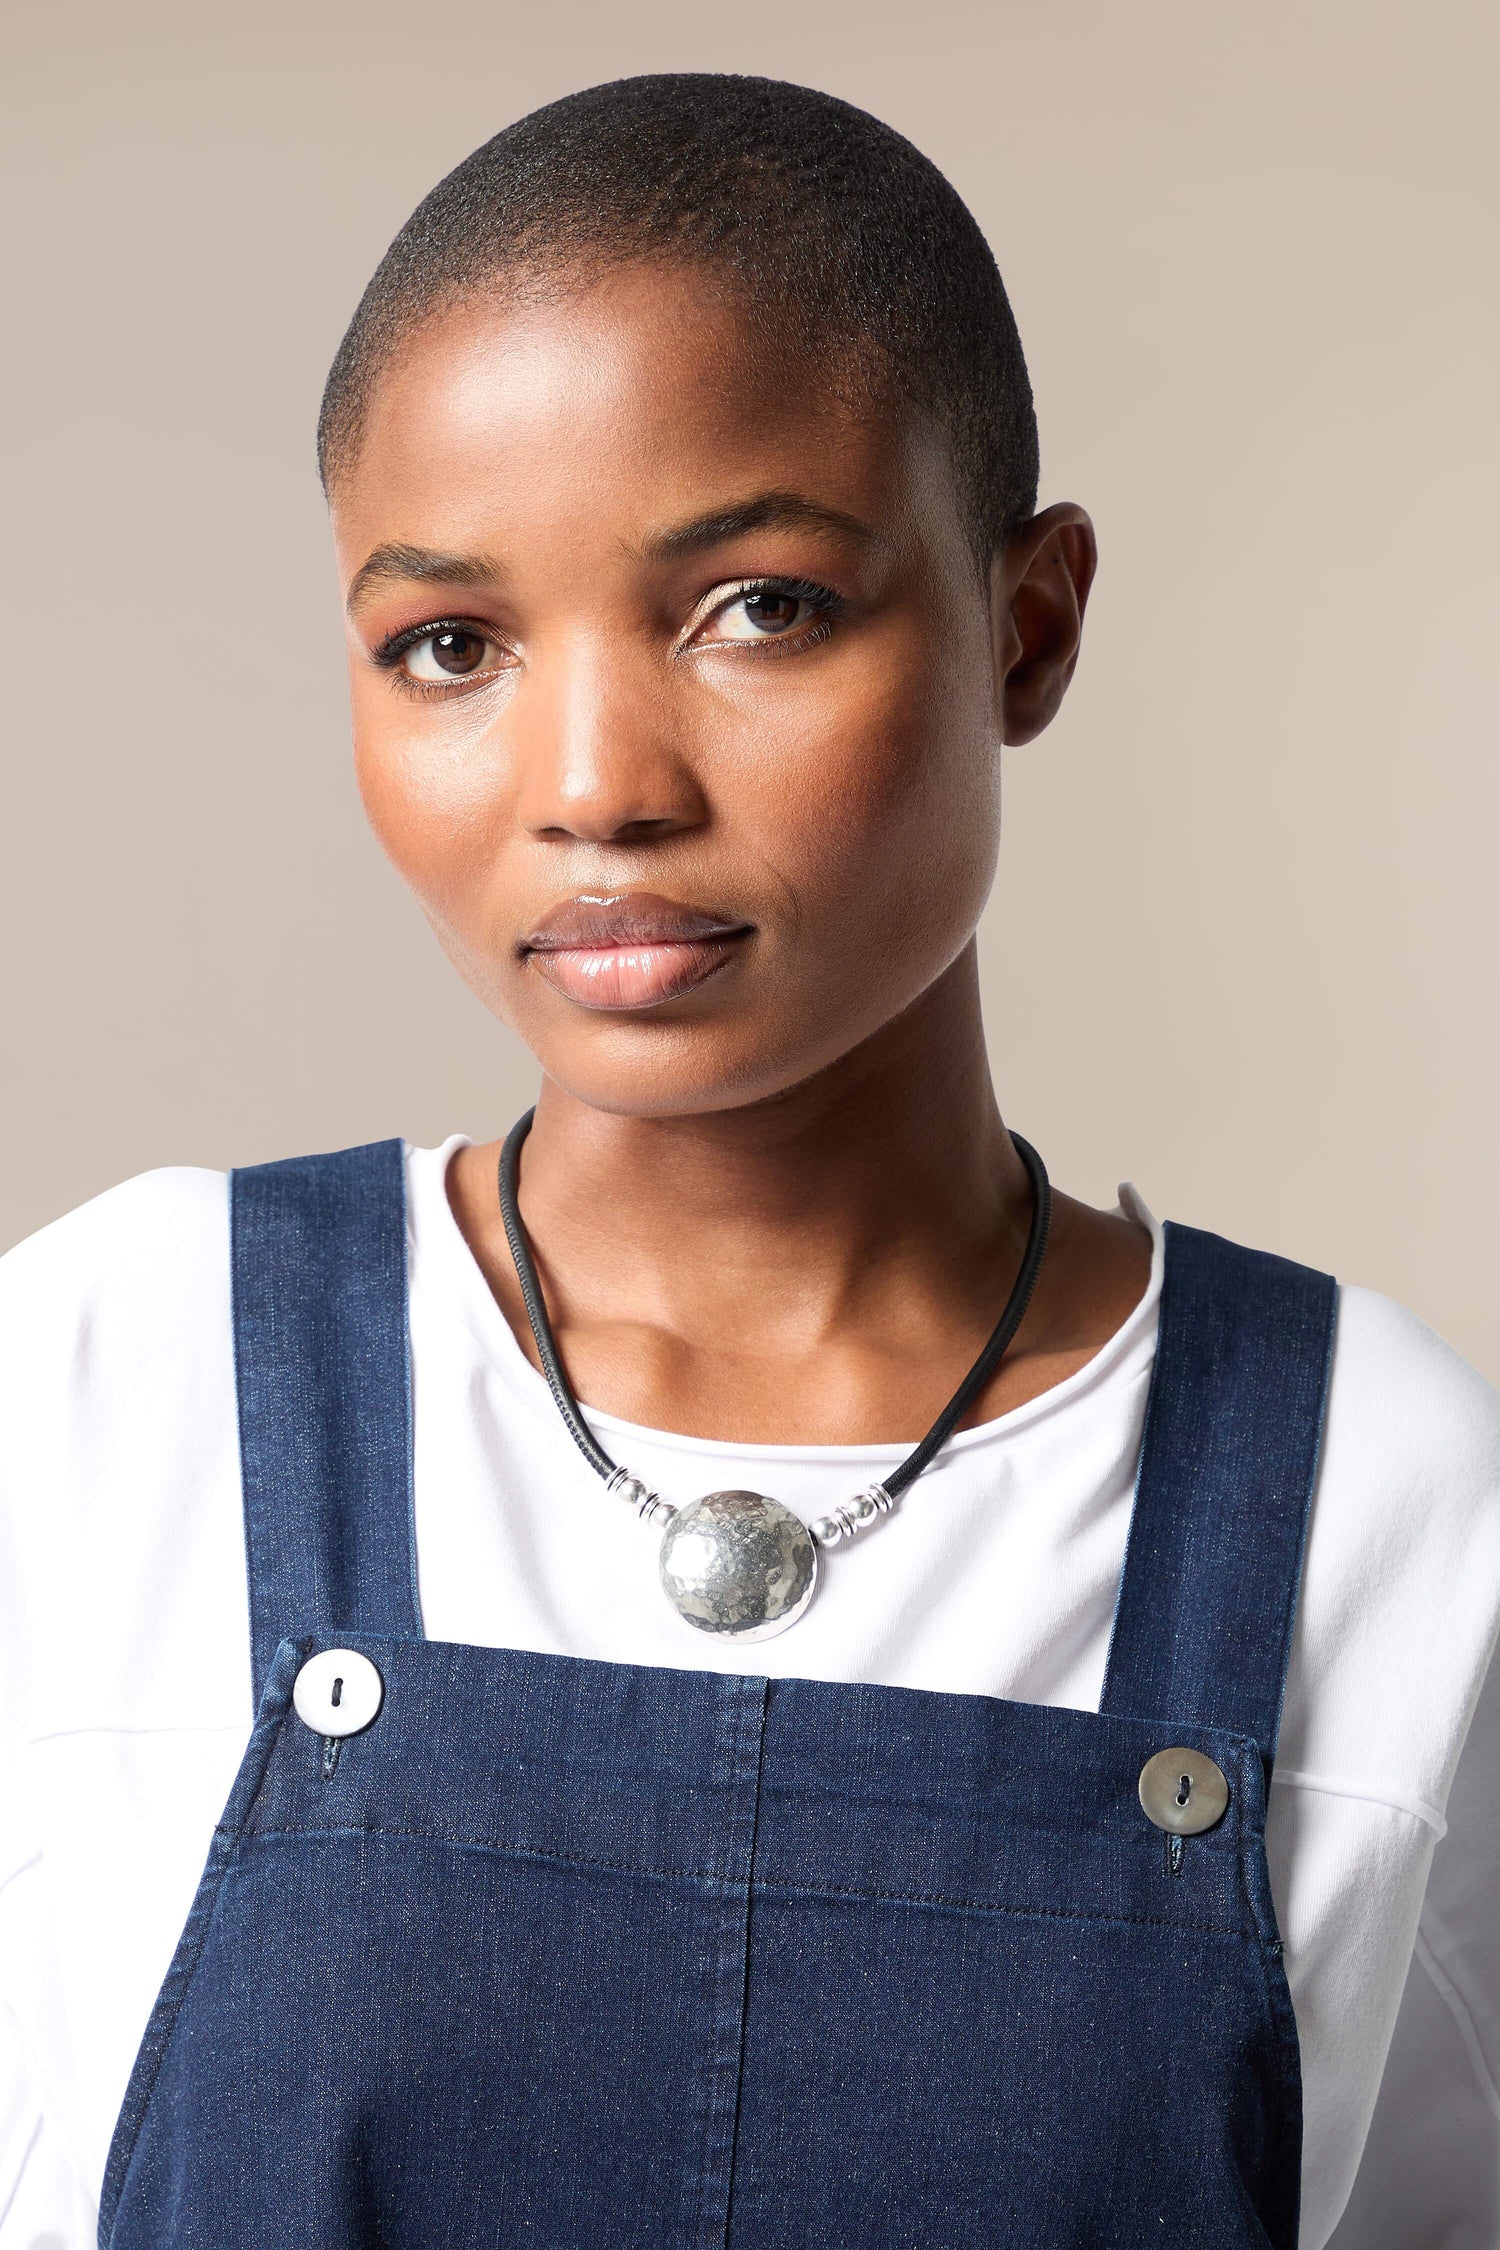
pixel 883 807
pixel 430 793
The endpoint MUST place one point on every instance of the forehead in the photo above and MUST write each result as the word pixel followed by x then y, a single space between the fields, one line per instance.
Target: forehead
pixel 599 407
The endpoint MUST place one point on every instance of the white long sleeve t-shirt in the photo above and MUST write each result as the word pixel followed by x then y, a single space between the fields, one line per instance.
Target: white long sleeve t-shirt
pixel 125 1699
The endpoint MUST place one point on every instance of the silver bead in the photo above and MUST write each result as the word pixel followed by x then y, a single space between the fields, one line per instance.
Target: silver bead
pixel 648 1505
pixel 852 1516
pixel 739 1565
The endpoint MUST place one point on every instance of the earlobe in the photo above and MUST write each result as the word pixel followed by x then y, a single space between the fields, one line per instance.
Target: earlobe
pixel 1039 589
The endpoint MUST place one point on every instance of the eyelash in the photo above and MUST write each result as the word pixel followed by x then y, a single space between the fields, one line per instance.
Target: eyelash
pixel 395 645
pixel 829 605
pixel 390 651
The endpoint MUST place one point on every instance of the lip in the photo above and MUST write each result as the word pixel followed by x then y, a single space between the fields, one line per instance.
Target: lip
pixel 629 949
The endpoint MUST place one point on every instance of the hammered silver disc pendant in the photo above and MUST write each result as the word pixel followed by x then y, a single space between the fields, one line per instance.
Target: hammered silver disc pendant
pixel 739 1565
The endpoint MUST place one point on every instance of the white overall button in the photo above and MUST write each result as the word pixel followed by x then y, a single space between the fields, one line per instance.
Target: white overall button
pixel 1183 1792
pixel 337 1692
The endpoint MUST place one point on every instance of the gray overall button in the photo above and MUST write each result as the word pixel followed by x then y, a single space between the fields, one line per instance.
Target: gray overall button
pixel 337 1692
pixel 1182 1791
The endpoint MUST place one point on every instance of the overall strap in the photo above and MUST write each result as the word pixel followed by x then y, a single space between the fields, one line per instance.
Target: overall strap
pixel 1234 1420
pixel 323 1375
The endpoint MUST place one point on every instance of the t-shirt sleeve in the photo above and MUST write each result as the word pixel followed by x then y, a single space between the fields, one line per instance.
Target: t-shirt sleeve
pixel 43 2203
pixel 1397 1702
pixel 119 1519
pixel 1430 2173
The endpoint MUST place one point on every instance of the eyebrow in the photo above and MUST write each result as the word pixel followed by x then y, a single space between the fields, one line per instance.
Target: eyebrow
pixel 764 511
pixel 417 565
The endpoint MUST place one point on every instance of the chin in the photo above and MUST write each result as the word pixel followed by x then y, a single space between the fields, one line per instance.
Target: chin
pixel 661 1087
pixel 718 1048
pixel 636 1067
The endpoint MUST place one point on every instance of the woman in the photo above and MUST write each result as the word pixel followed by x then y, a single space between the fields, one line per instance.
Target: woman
pixel 861 1834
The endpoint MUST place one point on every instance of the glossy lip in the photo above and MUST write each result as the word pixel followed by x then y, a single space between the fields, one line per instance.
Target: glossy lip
pixel 629 949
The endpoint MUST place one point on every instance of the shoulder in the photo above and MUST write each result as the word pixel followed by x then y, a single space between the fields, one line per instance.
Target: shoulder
pixel 1401 1592
pixel 154 1248
pixel 1416 1416
pixel 154 1210
pixel 115 1341
pixel 121 1564
pixel 149 1220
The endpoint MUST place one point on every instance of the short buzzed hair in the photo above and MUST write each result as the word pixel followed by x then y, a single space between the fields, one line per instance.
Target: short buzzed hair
pixel 834 230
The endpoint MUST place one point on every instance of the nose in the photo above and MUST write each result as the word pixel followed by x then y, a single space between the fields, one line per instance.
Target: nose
pixel 600 758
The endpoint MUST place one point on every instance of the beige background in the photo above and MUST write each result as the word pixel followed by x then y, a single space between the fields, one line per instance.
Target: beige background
pixel 1243 947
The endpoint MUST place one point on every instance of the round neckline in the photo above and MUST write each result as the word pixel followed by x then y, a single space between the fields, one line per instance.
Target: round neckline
pixel 433 1229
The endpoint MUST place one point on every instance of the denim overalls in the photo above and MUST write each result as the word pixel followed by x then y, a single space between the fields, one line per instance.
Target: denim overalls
pixel 591 1956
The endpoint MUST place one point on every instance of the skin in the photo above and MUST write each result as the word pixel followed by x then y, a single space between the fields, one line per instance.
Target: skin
pixel 781 1205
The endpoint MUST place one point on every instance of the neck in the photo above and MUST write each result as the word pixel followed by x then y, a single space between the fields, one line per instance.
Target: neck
pixel 890 1166
pixel 817 1269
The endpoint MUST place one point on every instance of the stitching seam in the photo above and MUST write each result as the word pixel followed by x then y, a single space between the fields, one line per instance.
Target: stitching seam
pixel 787 1890
pixel 1318 1784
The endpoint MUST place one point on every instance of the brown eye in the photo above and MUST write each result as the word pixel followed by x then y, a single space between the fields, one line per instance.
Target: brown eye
pixel 457 652
pixel 764 613
pixel 453 652
pixel 771 611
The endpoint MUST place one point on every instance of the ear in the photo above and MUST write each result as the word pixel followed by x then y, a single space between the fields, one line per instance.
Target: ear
pixel 1039 588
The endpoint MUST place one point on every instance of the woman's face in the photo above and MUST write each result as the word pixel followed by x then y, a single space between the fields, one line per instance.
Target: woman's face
pixel 675 688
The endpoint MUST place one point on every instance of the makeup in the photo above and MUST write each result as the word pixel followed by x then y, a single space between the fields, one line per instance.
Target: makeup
pixel 630 949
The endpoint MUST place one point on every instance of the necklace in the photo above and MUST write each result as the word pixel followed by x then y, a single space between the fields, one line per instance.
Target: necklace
pixel 739 1564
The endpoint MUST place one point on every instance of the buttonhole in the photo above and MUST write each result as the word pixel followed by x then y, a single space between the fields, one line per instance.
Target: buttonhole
pixel 1174 1854
pixel 332 1745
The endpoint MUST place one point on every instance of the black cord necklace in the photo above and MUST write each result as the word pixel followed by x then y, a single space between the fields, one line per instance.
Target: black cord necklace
pixel 740 1564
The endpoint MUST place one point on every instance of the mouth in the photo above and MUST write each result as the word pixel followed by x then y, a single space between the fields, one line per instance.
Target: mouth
pixel 630 949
